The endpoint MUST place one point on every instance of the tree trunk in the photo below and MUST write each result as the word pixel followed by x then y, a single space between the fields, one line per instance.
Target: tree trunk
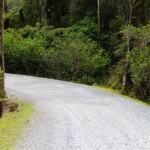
pixel 124 83
pixel 2 69
pixel 128 38
pixel 58 66
pixel 1 109
pixel 98 16
pixel 44 12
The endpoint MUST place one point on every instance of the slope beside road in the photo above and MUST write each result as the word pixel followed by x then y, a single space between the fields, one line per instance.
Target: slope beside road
pixel 76 117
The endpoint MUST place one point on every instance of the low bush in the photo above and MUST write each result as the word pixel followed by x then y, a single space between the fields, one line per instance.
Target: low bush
pixel 62 53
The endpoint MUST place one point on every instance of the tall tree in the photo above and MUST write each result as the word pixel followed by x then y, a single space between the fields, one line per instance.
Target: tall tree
pixel 2 91
pixel 44 11
pixel 128 32
pixel 98 15
pixel 137 5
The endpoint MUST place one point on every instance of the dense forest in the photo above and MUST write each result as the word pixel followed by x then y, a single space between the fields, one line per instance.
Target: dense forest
pixel 104 42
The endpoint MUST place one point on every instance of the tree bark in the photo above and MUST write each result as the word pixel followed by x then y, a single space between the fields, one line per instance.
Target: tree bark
pixel 128 39
pixel 124 83
pixel 98 16
pixel 44 12
pixel 2 69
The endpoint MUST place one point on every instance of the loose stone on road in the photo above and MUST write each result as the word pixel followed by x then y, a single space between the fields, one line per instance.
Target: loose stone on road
pixel 76 117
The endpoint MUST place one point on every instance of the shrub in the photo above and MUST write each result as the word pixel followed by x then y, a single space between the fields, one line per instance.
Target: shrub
pixel 62 53
pixel 140 72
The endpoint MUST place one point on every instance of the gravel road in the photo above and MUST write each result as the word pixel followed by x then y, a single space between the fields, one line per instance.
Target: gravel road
pixel 76 117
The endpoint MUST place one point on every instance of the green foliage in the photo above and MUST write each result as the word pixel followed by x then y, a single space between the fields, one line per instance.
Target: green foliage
pixel 116 24
pixel 140 64
pixel 87 80
pixel 140 72
pixel 27 31
pixel 139 59
pixel 117 72
pixel 62 53
pixel 81 53
pixel 21 54
pixel 88 27
pixel 135 49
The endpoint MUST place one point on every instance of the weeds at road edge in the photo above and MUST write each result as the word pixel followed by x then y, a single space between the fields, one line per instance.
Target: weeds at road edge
pixel 12 124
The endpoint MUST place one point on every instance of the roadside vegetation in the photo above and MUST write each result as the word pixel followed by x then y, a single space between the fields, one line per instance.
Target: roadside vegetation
pixel 62 53
pixel 11 125
pixel 105 43
pixel 117 92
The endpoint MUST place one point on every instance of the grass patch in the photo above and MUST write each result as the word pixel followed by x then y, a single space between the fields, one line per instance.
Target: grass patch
pixel 11 125
pixel 119 94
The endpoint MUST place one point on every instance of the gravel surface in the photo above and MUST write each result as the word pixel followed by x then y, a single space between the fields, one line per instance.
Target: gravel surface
pixel 76 117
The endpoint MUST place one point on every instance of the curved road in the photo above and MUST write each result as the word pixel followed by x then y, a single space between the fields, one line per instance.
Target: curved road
pixel 75 117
